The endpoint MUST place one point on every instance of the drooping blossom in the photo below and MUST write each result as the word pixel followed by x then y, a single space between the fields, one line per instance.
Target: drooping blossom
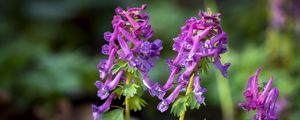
pixel 130 42
pixel 129 45
pixel 265 102
pixel 98 110
pixel 200 39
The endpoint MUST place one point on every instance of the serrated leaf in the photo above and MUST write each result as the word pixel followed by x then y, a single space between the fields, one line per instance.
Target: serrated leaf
pixel 116 114
pixel 204 64
pixel 140 91
pixel 118 66
pixel 118 92
pixel 179 106
pixel 130 89
pixel 136 103
pixel 191 101
pixel 138 82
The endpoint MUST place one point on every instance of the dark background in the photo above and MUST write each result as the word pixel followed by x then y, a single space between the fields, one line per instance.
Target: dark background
pixel 49 50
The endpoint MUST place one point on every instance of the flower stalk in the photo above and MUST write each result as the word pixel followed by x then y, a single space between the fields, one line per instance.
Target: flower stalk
pixel 131 54
pixel 188 90
pixel 127 109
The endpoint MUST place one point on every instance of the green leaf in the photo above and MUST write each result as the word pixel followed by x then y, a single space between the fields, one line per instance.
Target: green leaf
pixel 136 103
pixel 118 92
pixel 118 66
pixel 130 89
pixel 191 101
pixel 204 64
pixel 116 114
pixel 179 106
pixel 138 82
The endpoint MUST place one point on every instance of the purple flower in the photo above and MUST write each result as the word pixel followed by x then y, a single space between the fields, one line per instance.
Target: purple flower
pixel 264 102
pixel 198 90
pixel 101 68
pixel 104 89
pixel 164 104
pixel 98 110
pixel 128 44
pixel 132 31
pixel 105 49
pixel 199 39
pixel 157 90
pixel 107 36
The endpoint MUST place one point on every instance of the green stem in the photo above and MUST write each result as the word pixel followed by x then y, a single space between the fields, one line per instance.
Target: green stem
pixel 127 110
pixel 188 90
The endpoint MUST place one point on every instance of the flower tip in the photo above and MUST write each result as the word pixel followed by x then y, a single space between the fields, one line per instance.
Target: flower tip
pixel 144 6
pixel 95 111
pixel 163 106
pixel 102 94
pixel 258 70
pixel 102 75
pixel 107 36
pixel 102 90
pixel 157 90
pixel 119 10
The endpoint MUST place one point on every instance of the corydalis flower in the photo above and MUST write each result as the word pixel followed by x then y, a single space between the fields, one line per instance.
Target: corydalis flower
pixel 264 102
pixel 164 105
pixel 98 110
pixel 200 39
pixel 130 42
pixel 105 88
pixel 128 45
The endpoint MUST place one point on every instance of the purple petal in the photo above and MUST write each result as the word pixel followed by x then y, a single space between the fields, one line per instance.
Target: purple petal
pixel 105 49
pixel 170 81
pixel 102 90
pixel 157 90
pixel 107 36
pixel 198 90
pixel 129 37
pixel 113 84
pixel 97 111
pixel 163 106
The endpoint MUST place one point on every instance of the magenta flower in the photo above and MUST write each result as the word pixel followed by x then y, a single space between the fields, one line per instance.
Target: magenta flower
pixel 164 105
pixel 200 39
pixel 129 51
pixel 109 85
pixel 198 90
pixel 132 31
pixel 264 102
pixel 101 109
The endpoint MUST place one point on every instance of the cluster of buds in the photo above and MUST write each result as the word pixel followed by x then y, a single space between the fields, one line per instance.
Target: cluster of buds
pixel 264 102
pixel 128 43
pixel 201 41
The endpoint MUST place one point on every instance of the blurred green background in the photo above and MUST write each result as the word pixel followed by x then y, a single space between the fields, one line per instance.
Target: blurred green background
pixel 49 50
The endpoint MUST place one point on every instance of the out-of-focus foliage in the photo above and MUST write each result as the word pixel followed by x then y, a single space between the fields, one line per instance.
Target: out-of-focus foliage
pixel 49 51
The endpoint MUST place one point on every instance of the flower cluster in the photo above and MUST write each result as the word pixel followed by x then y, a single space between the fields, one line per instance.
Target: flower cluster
pixel 128 43
pixel 264 102
pixel 201 41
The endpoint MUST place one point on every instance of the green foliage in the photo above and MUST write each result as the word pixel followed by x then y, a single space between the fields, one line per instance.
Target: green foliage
pixel 118 66
pixel 116 114
pixel 130 89
pixel 179 106
pixel 119 92
pixel 191 101
pixel 204 64
pixel 137 81
pixel 136 103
